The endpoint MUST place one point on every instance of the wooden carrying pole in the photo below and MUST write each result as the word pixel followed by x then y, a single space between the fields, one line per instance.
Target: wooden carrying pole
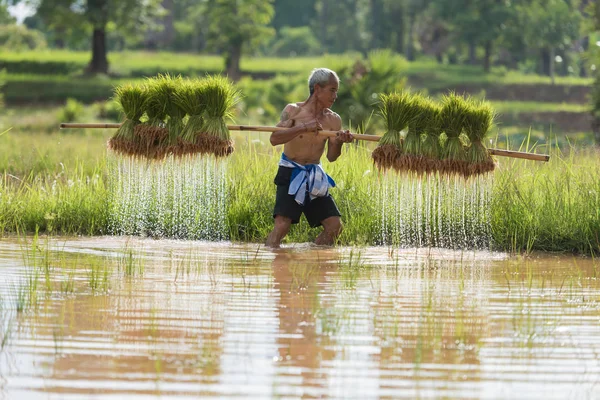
pixel 370 138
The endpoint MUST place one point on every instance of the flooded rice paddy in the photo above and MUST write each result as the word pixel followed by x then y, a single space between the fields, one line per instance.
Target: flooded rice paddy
pixel 136 318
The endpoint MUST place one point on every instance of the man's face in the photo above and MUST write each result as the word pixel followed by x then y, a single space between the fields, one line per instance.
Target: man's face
pixel 326 95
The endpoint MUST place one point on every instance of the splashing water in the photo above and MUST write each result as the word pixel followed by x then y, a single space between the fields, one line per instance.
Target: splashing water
pixel 435 211
pixel 181 198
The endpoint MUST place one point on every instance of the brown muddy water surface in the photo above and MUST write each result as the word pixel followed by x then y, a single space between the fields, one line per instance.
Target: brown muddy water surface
pixel 135 318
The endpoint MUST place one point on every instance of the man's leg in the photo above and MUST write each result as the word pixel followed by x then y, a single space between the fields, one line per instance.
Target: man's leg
pixel 332 227
pixel 280 229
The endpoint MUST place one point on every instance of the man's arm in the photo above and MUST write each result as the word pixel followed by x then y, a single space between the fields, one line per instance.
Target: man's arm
pixel 334 145
pixel 285 135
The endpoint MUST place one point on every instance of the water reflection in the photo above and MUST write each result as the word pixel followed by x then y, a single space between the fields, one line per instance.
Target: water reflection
pixel 303 344
pixel 228 320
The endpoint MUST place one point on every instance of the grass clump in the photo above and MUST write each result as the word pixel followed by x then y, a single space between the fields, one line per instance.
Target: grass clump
pixel 397 111
pixel 71 111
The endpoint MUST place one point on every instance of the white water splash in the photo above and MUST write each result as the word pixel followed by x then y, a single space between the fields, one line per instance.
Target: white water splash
pixel 181 198
pixel 435 211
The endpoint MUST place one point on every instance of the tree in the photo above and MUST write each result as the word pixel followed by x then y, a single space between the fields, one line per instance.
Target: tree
pixel 477 23
pixel 594 11
pixel 235 26
pixel 294 13
pixel 5 17
pixel 548 26
pixel 130 16
pixel 339 25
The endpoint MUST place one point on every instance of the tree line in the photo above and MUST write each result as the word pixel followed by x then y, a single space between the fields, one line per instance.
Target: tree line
pixel 540 36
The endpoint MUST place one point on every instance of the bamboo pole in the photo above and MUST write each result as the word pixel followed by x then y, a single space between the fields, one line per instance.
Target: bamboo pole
pixel 370 138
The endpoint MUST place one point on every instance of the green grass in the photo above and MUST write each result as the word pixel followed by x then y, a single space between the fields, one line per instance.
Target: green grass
pixel 54 75
pixel 519 107
pixel 434 75
pixel 141 63
pixel 536 206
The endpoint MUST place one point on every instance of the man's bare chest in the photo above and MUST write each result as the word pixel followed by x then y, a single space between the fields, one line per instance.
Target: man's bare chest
pixel 326 121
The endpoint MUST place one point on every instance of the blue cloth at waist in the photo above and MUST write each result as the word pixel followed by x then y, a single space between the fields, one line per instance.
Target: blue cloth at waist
pixel 309 178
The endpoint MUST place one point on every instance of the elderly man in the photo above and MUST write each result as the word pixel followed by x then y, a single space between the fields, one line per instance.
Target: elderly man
pixel 302 185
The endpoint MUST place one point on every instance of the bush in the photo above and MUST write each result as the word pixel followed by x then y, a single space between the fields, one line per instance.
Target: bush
pixel 71 111
pixel 596 109
pixel 41 67
pixel 21 89
pixel 294 42
pixel 109 110
pixel 2 82
pixel 19 38
pixel 362 81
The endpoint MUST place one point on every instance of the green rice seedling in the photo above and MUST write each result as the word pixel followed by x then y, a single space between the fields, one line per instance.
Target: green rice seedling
pixel 478 124
pixel 190 98
pixel 220 97
pixel 412 159
pixel 163 89
pixel 131 99
pixel 397 111
pixel 431 148
pixel 152 132
pixel 454 110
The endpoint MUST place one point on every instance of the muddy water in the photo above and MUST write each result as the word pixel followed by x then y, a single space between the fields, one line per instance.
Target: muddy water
pixel 117 318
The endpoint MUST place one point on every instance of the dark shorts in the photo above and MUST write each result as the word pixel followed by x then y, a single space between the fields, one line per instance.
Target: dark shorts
pixel 315 210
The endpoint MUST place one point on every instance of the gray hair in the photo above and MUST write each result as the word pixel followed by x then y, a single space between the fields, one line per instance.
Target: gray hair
pixel 320 76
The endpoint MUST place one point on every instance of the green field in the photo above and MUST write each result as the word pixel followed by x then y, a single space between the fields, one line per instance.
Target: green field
pixel 58 180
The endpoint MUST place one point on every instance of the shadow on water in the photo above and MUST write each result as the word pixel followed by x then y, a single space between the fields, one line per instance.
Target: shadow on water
pixel 132 317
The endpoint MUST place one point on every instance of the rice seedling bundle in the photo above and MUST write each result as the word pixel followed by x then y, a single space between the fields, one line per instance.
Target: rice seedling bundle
pixel 152 132
pixel 452 115
pixel 397 111
pixel 131 99
pixel 431 148
pixel 219 96
pixel 166 87
pixel 190 98
pixel 478 124
pixel 412 159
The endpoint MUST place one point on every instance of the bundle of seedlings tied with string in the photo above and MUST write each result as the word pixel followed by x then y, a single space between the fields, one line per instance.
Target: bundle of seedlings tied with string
pixel 397 110
pixel 166 88
pixel 412 159
pixel 219 97
pixel 152 132
pixel 452 115
pixel 131 99
pixel 478 124
pixel 430 147
pixel 190 99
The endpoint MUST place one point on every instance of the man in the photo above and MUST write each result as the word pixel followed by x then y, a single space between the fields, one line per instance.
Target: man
pixel 302 185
